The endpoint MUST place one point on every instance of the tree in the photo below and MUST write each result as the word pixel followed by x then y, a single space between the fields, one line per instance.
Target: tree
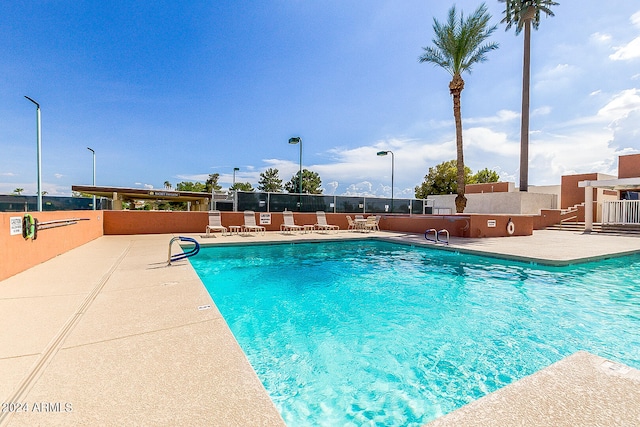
pixel 484 176
pixel 460 44
pixel 270 181
pixel 311 183
pixel 241 186
pixel 212 183
pixel 191 186
pixel 441 179
pixel 18 191
pixel 167 185
pixel 524 14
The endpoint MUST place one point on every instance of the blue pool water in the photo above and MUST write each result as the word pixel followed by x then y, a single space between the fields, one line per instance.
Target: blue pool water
pixel 375 333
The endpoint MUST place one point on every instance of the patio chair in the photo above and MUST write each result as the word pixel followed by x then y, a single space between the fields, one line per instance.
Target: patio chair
pixel 321 222
pixel 250 223
pixel 352 225
pixel 371 223
pixel 289 223
pixel 215 224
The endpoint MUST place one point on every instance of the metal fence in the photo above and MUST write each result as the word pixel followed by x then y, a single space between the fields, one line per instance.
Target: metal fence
pixel 11 203
pixel 279 202
pixel 621 212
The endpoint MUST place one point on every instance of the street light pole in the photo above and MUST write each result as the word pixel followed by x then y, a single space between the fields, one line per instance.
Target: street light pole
pixel 39 149
pixel 393 161
pixel 234 177
pixel 298 140
pixel 94 175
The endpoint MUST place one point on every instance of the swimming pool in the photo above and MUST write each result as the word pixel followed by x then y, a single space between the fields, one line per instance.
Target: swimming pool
pixel 377 333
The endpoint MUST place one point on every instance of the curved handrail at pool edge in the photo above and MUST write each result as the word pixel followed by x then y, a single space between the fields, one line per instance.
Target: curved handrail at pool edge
pixel 185 254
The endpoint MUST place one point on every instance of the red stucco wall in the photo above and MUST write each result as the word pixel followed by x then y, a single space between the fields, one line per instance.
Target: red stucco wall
pixel 19 254
pixel 571 194
pixel 629 166
pixel 492 187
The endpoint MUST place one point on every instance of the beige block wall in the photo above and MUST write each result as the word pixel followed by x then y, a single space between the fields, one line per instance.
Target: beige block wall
pixel 503 203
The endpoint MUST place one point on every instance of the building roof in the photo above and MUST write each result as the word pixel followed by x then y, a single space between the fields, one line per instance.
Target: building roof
pixel 145 194
pixel 613 184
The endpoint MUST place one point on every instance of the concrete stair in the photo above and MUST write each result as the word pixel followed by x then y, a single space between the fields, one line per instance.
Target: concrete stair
pixel 573 226
pixel 628 229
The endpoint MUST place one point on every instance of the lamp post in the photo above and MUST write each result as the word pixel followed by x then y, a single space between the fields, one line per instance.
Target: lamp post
pixel 39 149
pixel 384 153
pixel 234 177
pixel 298 140
pixel 94 175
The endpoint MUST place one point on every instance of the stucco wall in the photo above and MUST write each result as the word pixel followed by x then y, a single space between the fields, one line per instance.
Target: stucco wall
pixel 19 254
pixel 492 187
pixel 573 195
pixel 160 222
pixel 461 225
pixel 150 222
pixel 629 166
pixel 515 203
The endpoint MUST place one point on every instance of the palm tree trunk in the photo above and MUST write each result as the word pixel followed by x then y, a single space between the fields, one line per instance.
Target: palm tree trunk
pixel 455 88
pixel 524 126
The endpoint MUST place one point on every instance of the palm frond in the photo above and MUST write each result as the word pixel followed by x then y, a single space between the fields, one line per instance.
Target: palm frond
pixel 515 10
pixel 460 41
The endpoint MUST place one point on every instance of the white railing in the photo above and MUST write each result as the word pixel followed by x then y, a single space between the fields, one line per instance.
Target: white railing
pixel 621 212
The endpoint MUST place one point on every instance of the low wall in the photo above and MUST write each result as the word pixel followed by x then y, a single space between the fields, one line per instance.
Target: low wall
pixel 161 222
pixel 461 225
pixel 546 218
pixel 19 254
pixel 491 187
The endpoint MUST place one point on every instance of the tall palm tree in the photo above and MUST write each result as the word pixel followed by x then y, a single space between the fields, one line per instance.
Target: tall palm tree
pixel 524 14
pixel 459 44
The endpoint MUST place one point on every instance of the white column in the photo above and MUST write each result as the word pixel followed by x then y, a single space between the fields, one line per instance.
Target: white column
pixel 588 208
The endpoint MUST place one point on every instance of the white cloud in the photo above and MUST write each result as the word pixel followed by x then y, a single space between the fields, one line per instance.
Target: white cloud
pixel 552 156
pixel 8 174
pixel 635 19
pixel 595 92
pixel 330 187
pixel 554 78
pixel 601 38
pixel 363 188
pixel 147 186
pixel 490 141
pixel 626 52
pixel 621 105
pixel 58 175
pixel 626 133
pixel 542 111
pixel 501 116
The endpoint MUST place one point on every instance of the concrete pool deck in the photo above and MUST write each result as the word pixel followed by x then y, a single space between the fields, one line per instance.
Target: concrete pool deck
pixel 107 334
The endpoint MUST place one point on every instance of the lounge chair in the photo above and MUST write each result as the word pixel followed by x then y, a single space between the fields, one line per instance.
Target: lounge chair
pixel 321 223
pixel 215 223
pixel 250 223
pixel 289 223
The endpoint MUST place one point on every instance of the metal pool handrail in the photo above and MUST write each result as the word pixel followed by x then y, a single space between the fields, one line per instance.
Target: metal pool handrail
pixel 185 254
pixel 436 235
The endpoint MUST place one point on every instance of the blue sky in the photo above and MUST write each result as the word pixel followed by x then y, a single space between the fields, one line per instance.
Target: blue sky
pixel 174 91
